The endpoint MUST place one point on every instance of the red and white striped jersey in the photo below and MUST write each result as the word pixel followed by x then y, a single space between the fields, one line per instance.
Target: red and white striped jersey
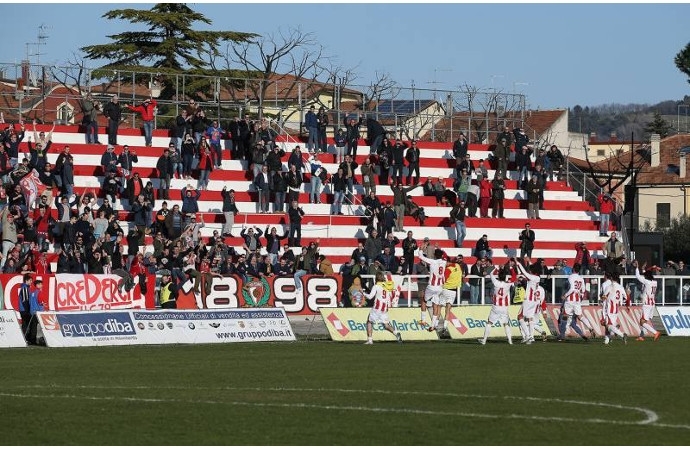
pixel 614 299
pixel 649 292
pixel 501 291
pixel 532 285
pixel 382 298
pixel 577 288
pixel 437 268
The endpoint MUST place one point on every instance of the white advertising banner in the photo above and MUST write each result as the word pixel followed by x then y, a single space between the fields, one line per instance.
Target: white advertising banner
pixel 676 319
pixel 10 330
pixel 97 328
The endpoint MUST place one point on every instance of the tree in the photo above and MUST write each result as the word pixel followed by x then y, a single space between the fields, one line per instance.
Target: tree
pixel 658 126
pixel 682 61
pixel 169 44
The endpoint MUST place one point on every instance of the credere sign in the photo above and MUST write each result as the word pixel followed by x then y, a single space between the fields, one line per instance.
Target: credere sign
pixel 676 319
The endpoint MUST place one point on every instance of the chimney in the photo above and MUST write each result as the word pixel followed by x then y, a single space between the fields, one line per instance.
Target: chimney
pixel 25 72
pixel 593 136
pixel 614 136
pixel 681 166
pixel 655 150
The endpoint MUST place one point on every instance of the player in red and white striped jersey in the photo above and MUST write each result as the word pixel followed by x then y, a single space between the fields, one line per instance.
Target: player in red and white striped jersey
pixel 437 268
pixel 499 309
pixel 384 294
pixel 615 295
pixel 572 306
pixel 648 301
pixel 534 295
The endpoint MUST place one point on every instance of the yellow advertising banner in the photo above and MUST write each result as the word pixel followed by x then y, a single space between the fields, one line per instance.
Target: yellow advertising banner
pixel 468 322
pixel 350 324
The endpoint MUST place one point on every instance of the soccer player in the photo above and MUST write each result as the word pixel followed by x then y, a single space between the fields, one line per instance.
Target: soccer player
pixel 499 309
pixel 383 294
pixel 572 306
pixel 648 302
pixel 615 294
pixel 437 267
pixel 534 296
pixel 452 280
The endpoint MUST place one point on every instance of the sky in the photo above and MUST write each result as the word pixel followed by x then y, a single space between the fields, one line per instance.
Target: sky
pixel 558 55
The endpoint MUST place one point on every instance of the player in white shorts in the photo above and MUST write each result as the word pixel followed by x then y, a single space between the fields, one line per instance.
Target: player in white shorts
pixel 437 268
pixel 383 293
pixel 534 295
pixel 572 306
pixel 614 296
pixel 648 301
pixel 499 308
pixel 452 280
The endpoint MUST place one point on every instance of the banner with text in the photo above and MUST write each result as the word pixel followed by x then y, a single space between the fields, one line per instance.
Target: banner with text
pixel 628 320
pixel 349 324
pixel 468 322
pixel 676 319
pixel 81 292
pixel 10 330
pixel 233 292
pixel 141 327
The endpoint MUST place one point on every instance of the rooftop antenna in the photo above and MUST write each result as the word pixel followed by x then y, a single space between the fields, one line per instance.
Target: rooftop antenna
pixel 42 39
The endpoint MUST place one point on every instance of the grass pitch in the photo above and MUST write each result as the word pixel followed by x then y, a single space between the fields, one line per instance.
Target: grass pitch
pixel 309 393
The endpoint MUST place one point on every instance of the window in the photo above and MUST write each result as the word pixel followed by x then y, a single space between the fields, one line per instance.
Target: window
pixel 65 114
pixel 601 152
pixel 663 215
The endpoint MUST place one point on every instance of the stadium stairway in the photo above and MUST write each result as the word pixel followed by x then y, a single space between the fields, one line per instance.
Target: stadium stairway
pixel 565 221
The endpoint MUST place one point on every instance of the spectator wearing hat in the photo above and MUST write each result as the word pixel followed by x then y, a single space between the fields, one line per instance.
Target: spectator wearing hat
pixel 148 114
pixel 109 160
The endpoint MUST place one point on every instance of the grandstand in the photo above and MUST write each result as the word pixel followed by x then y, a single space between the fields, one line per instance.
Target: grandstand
pixel 565 220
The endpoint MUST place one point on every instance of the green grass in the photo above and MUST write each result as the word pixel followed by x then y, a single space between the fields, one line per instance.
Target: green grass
pixel 309 393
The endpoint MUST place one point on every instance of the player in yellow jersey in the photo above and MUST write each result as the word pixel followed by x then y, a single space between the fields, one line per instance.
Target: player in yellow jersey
pixel 453 280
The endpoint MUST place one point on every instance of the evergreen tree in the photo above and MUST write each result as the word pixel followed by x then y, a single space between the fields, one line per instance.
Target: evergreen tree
pixel 658 126
pixel 170 43
pixel 682 61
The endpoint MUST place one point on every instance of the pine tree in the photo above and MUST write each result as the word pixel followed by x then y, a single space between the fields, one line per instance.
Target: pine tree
pixel 682 61
pixel 658 126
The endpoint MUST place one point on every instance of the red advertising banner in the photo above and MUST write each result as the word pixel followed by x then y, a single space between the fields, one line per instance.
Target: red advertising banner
pixel 80 292
pixel 628 320
pixel 233 292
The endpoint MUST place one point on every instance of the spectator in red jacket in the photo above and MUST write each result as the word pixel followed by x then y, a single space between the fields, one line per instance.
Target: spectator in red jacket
pixel 606 207
pixel 484 197
pixel 147 110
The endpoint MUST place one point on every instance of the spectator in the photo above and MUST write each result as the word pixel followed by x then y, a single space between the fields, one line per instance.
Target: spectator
pixel 322 118
pixel 375 135
pixel 389 219
pixel 187 153
pixel 497 195
pixel 126 161
pixel 324 267
pixel 523 162
pixel 174 222
pixel 373 246
pixel 251 236
pixel 148 114
pixel 91 108
pixel 258 158
pixel 273 160
pixel 340 140
pixel 111 187
pixel 409 246
pixel 295 214
pixel 397 161
pixel 501 154
pixel 113 111
pixel 613 248
pixel 385 157
pixel 273 243
pixel 352 133
pixel 460 148
pixel 262 183
pixel 339 184
pixel 229 210
pixel 457 217
pixel 199 126
pixel 279 191
pixel 533 190
pixel 190 200
pixel 165 169
pixel 556 161
pixel 483 248
pixel 109 160
pixel 311 123
pixel 412 156
pixel 133 189
pixel 38 154
pixel 484 197
pixel 167 296
pixel 606 207
pixel 349 166
pixel 415 211
pixel 399 199
pixel 214 134
pixel 182 123
pixel 368 172
pixel 462 185
pixel 205 167
pixel 527 238
pixel 294 183
pixel 439 191
pixel 318 175
pixel 582 258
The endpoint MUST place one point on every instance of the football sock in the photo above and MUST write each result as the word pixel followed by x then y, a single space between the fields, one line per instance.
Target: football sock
pixel 530 329
pixel 423 319
pixel 487 330
pixel 615 331
pixel 585 322
pixel 649 328
pixel 508 333
pixel 434 321
pixel 523 329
